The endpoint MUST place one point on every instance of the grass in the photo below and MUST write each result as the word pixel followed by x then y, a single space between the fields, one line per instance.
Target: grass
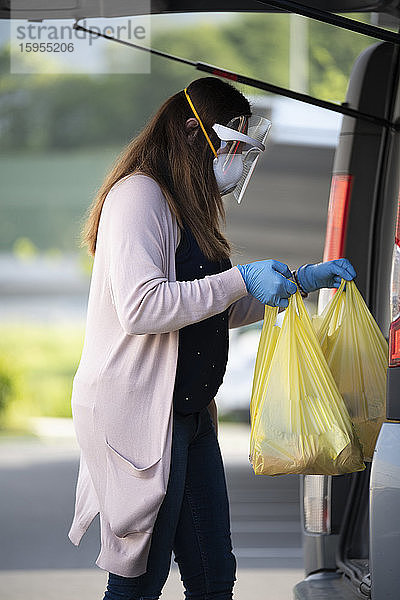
pixel 40 360
pixel 43 202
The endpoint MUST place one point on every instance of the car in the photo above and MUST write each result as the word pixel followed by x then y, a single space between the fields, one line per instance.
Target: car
pixel 351 524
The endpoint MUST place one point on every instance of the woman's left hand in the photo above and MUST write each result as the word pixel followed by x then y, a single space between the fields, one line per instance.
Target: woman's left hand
pixel 325 275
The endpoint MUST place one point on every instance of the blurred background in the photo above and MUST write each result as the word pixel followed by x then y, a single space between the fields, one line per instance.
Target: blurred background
pixel 59 135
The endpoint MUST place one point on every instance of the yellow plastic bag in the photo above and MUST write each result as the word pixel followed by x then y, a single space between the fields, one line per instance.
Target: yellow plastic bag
pixel 299 422
pixel 357 354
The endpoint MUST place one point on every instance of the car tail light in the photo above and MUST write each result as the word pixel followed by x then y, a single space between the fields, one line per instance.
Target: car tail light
pixel 317 503
pixel 394 331
pixel 337 216
pixel 338 211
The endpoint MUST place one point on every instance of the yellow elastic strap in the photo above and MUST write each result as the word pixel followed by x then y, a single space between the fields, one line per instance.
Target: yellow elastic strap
pixel 199 120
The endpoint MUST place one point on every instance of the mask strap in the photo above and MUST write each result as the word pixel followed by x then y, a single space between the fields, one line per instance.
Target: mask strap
pixel 200 123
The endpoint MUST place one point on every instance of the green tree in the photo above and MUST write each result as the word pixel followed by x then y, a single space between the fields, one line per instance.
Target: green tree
pixel 333 52
pixel 39 112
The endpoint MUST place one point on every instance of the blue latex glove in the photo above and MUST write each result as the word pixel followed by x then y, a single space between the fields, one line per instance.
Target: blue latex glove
pixel 325 275
pixel 267 281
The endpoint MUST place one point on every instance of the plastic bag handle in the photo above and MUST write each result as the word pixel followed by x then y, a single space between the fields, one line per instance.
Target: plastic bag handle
pixel 335 299
pixel 333 306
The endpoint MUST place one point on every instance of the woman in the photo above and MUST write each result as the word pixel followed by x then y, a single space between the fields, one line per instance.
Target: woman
pixel 163 293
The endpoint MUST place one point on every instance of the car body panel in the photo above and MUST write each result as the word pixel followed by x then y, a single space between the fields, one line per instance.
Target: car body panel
pixel 325 586
pixel 384 510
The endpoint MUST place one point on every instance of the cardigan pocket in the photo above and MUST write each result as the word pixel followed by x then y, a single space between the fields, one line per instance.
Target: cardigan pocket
pixel 133 495
pixel 127 465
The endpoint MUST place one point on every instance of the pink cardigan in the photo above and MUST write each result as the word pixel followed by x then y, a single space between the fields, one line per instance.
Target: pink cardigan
pixel 122 389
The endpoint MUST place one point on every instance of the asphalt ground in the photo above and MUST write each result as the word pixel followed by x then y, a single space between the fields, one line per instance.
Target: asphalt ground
pixel 38 561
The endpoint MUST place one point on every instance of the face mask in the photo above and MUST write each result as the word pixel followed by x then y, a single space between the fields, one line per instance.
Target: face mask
pixel 227 178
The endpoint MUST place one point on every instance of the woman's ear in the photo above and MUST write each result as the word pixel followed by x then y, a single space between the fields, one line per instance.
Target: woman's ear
pixel 191 128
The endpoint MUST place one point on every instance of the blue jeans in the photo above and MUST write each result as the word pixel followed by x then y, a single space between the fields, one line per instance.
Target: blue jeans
pixel 193 521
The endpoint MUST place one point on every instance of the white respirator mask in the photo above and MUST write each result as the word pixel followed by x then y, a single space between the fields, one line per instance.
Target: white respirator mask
pixel 227 179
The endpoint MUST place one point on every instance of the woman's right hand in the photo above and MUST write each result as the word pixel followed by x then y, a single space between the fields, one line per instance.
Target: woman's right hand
pixel 267 280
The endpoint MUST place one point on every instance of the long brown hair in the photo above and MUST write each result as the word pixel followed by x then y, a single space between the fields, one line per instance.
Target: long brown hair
pixel 182 168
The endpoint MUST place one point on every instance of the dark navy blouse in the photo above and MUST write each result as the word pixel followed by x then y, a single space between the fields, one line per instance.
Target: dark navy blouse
pixel 203 346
